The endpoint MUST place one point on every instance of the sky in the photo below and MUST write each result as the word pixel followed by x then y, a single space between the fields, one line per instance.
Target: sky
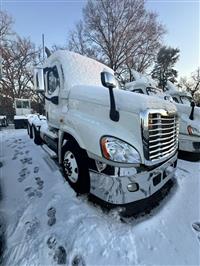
pixel 55 19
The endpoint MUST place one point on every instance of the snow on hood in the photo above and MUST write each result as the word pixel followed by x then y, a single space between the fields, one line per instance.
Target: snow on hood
pixel 184 112
pixel 125 100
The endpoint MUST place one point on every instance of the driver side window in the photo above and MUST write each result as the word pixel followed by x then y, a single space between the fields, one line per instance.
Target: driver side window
pixel 53 81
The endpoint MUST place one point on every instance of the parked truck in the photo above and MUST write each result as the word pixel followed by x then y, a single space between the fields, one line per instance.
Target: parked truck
pixel 119 148
pixel 22 110
pixel 189 114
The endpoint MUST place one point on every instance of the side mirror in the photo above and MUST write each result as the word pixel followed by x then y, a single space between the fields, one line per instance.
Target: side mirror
pixel 39 80
pixel 108 80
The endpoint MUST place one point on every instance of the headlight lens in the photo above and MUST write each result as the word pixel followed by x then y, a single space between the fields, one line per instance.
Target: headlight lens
pixel 119 151
pixel 193 131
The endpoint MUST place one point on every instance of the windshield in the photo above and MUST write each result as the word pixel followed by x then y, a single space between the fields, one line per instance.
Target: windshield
pixel 152 91
pixel 186 100
pixel 22 104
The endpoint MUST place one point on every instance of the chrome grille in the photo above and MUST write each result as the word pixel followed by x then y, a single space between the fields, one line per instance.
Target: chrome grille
pixel 160 135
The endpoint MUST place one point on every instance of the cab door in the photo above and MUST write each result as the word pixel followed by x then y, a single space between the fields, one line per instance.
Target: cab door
pixel 53 84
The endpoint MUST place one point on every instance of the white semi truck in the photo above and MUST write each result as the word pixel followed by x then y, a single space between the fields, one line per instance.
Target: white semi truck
pixel 119 148
pixel 189 114
pixel 22 110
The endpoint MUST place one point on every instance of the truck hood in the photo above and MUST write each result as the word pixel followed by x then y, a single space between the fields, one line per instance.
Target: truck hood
pixel 125 100
pixel 184 113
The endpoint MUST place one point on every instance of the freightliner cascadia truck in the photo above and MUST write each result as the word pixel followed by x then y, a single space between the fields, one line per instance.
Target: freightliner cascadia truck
pixel 119 148
pixel 189 114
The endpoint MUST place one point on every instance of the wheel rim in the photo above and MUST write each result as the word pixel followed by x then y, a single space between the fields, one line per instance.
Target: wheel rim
pixel 71 166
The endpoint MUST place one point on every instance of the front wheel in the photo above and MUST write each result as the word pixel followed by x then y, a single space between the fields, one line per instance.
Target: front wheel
pixel 75 167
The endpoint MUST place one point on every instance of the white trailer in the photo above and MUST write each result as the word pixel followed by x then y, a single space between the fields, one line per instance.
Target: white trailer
pixel 109 143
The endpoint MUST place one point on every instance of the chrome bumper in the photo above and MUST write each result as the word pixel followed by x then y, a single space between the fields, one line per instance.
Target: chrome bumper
pixel 189 143
pixel 114 189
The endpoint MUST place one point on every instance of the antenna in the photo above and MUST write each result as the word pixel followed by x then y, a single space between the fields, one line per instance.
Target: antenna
pixel 1 68
pixel 43 47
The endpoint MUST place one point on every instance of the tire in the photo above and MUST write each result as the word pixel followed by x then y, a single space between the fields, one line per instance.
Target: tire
pixel 29 130
pixel 36 136
pixel 75 167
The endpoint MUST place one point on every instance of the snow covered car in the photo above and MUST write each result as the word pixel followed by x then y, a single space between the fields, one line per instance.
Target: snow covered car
pixel 3 121
pixel 109 143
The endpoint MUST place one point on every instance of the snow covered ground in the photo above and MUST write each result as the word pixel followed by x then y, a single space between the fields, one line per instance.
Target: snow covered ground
pixel 46 224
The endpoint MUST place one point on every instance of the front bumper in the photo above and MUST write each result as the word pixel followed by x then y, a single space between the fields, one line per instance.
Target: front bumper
pixel 20 123
pixel 114 188
pixel 189 143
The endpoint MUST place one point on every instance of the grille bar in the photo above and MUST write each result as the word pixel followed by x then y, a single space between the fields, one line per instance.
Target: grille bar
pixel 163 153
pixel 162 139
pixel 163 143
pixel 161 129
pixel 163 148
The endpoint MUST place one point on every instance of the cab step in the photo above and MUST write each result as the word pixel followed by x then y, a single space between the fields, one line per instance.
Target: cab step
pixel 51 153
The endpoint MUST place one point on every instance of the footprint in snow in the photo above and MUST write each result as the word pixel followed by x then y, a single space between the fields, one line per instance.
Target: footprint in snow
pixel 196 226
pixel 78 261
pixel 39 182
pixel 27 152
pixel 26 160
pixel 51 242
pixel 51 213
pixel 23 174
pixel 32 226
pixel 60 255
pixel 36 169
pixel 31 192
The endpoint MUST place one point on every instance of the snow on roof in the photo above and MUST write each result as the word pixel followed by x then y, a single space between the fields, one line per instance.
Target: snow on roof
pixel 78 69
pixel 140 80
pixel 173 90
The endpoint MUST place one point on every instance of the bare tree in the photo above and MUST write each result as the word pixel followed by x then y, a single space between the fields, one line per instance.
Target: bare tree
pixel 18 59
pixel 6 31
pixel 192 85
pixel 120 33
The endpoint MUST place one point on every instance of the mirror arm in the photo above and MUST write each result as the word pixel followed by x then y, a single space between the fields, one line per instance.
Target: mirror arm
pixel 114 114
pixel 52 99
pixel 191 117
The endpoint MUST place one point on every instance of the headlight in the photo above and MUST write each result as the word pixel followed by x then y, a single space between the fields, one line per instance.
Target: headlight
pixel 193 131
pixel 119 151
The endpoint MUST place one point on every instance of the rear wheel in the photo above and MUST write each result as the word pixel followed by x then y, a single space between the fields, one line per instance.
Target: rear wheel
pixel 36 136
pixel 75 167
pixel 29 130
